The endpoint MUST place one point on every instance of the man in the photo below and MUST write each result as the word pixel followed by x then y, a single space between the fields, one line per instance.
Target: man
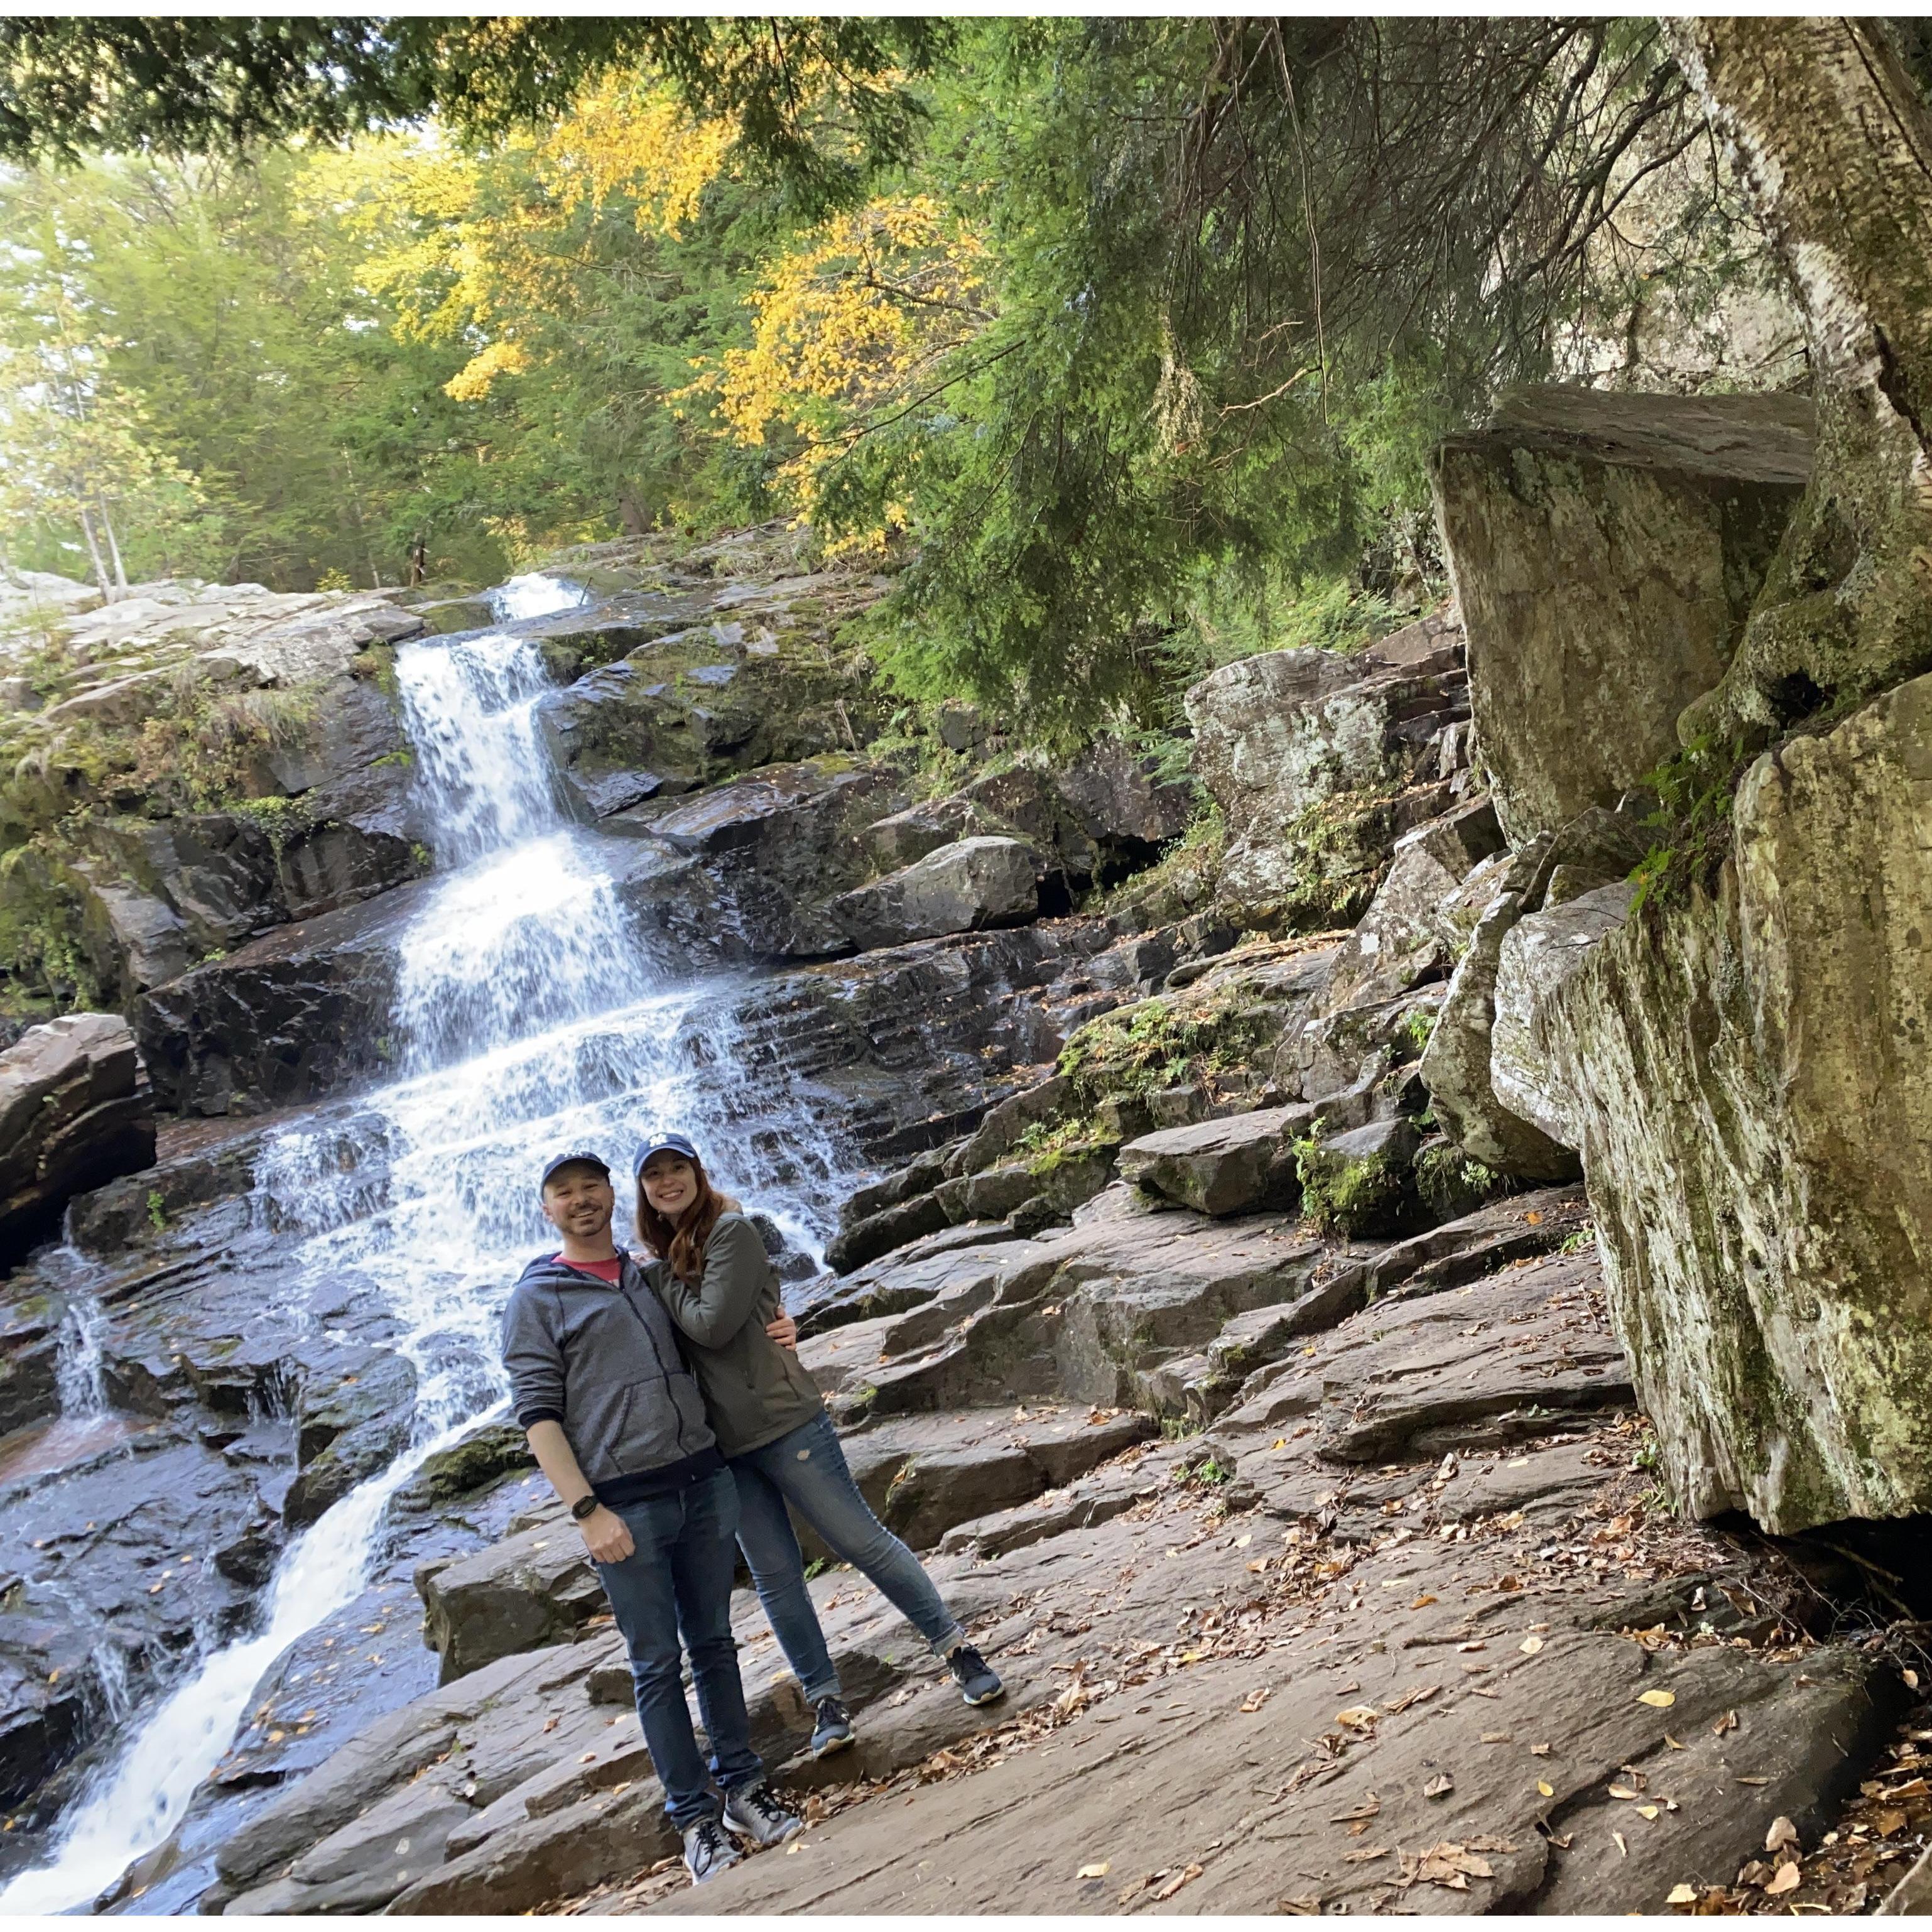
pixel 616 1422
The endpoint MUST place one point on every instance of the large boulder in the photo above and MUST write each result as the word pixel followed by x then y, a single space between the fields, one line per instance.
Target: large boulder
pixel 1455 1063
pixel 1420 923
pixel 1320 760
pixel 963 887
pixel 1606 548
pixel 1541 953
pixel 75 1112
pixel 1748 1072
pixel 1232 1166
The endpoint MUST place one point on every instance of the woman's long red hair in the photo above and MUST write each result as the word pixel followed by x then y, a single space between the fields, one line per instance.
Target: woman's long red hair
pixel 681 1242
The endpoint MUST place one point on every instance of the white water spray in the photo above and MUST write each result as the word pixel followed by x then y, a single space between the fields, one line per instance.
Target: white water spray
pixel 531 1022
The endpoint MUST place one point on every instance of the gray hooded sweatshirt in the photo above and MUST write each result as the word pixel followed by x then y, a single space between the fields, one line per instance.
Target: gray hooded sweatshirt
pixel 605 1361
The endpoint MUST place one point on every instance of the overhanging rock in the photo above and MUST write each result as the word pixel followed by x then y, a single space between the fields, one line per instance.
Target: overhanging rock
pixel 1606 548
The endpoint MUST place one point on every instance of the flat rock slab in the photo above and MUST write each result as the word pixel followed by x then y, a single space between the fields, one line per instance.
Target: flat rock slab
pixel 1470 1367
pixel 1232 1166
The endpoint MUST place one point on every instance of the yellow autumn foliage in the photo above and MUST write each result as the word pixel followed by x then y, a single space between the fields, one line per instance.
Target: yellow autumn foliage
pixel 847 327
pixel 466 245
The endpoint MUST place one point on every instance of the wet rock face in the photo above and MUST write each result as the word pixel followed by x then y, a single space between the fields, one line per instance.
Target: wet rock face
pixel 1749 1075
pixel 1606 549
pixel 75 1111
pixel 1321 761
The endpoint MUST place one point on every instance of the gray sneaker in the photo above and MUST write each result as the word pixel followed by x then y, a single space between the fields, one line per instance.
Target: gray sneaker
pixel 831 1727
pixel 978 1682
pixel 707 1851
pixel 753 1812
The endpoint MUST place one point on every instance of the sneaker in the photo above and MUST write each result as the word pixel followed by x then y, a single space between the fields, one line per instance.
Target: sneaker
pixel 707 1851
pixel 979 1682
pixel 831 1727
pixel 754 1812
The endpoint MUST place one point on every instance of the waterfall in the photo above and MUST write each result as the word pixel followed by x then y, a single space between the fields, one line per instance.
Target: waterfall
pixel 531 1021
pixel 77 1365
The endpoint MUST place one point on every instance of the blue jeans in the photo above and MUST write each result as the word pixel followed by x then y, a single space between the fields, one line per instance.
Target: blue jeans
pixel 677 1580
pixel 807 1469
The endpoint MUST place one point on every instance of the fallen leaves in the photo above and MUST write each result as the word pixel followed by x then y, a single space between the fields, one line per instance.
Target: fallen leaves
pixel 1254 1699
pixel 1787 1878
pixel 1657 1700
pixel 1682 1894
pixel 1449 1864
pixel 1096 1871
pixel 1440 1786
pixel 1530 1646
pixel 1783 1832
pixel 1357 1717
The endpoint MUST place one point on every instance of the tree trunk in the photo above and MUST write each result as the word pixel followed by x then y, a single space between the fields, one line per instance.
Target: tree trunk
pixel 1835 141
pixel 100 577
pixel 113 547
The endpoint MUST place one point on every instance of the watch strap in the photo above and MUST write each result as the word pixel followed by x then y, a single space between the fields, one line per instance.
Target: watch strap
pixel 583 1506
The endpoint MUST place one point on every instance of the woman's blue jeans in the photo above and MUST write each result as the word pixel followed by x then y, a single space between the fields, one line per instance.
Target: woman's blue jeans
pixel 807 1469
pixel 678 1579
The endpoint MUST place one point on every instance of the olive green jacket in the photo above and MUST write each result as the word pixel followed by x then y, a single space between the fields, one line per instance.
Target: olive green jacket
pixel 755 1391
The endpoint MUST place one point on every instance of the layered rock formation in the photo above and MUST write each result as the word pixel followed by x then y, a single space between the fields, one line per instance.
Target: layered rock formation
pixel 75 1112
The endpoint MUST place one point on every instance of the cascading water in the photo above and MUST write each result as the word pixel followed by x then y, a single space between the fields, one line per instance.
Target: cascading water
pixel 529 1021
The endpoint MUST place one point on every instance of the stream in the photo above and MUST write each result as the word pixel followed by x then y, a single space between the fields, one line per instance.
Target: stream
pixel 529 1018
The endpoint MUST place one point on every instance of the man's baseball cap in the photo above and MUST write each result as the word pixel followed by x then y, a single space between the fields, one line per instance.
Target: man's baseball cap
pixel 664 1143
pixel 563 1160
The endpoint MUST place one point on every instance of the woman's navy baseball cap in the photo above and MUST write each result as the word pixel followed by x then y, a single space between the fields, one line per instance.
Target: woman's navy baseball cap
pixel 563 1160
pixel 664 1143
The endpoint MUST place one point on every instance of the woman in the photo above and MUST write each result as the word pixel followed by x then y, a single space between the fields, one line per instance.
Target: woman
pixel 712 1275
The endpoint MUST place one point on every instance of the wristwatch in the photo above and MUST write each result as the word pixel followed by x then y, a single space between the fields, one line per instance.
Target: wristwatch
pixel 584 1506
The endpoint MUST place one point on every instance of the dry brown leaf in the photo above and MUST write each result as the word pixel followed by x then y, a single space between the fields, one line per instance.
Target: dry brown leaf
pixel 1783 1832
pixel 1096 1871
pixel 1369 1807
pixel 1728 1722
pixel 1366 1855
pixel 1622 1791
pixel 1682 1894
pixel 1648 1811
pixel 1658 1700
pixel 1358 1716
pixel 1539 1750
pixel 1300 1905
pixel 1618 1837
pixel 1185 1875
pixel 1440 1786
pixel 1422 1603
pixel 1890 1821
pixel 1751 1780
pixel 1787 1878
pixel 1530 1646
